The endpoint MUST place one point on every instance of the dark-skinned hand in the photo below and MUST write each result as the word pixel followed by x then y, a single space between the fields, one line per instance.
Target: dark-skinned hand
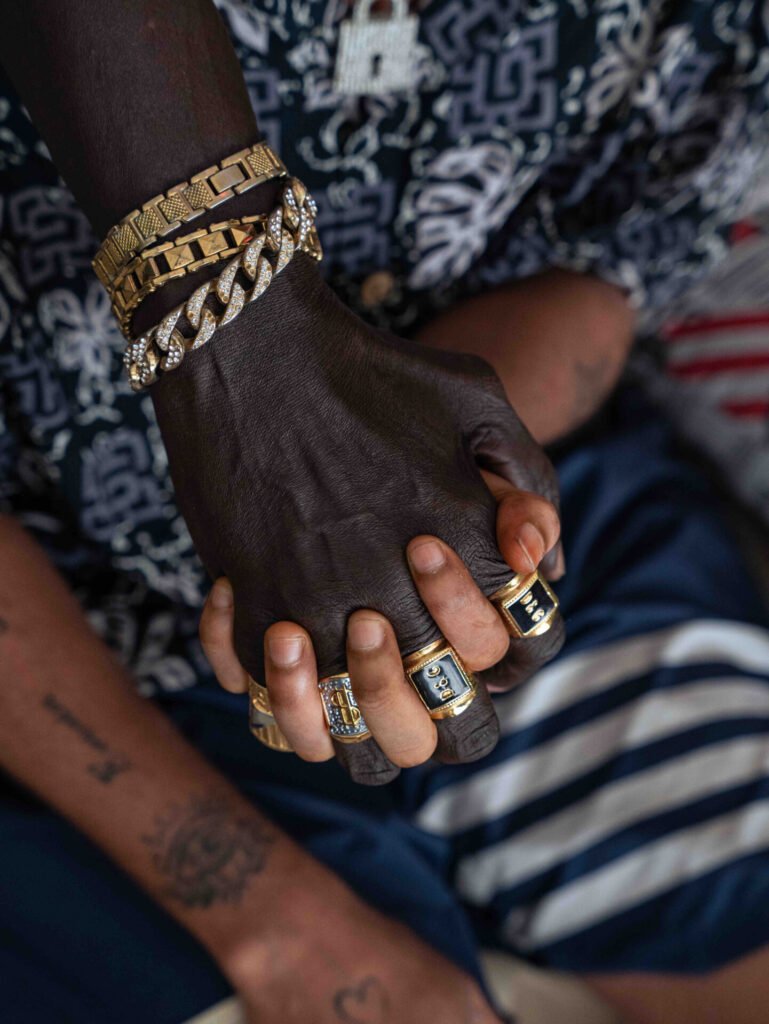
pixel 307 450
pixel 396 717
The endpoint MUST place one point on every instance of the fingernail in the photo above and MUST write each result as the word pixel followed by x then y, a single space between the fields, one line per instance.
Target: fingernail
pixel 365 634
pixel 427 556
pixel 532 544
pixel 221 594
pixel 285 651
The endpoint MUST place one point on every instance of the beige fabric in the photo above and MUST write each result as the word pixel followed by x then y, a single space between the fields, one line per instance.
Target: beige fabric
pixel 542 997
pixel 226 1012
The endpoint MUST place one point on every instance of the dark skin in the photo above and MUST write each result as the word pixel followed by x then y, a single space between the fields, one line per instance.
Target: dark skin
pixel 304 446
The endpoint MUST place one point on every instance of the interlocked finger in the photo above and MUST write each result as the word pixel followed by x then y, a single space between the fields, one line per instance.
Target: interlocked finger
pixel 292 681
pixel 392 709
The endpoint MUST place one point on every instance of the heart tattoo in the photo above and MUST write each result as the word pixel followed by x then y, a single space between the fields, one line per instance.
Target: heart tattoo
pixel 366 1003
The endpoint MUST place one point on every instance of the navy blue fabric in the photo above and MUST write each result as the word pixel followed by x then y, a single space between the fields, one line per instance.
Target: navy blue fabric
pixel 644 534
pixel 100 952
pixel 646 549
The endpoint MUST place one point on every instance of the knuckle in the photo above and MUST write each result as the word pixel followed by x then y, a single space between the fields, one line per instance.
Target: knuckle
pixel 455 598
pixel 526 657
pixel 378 697
pixel 209 641
pixel 374 777
pixel 471 736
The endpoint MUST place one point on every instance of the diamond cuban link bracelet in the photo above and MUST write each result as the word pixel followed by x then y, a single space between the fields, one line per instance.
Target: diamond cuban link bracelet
pixel 152 269
pixel 288 229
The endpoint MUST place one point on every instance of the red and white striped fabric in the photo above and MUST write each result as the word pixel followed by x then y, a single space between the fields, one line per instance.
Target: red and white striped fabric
pixel 717 360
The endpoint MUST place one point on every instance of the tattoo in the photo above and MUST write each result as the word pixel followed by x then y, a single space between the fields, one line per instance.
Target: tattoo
pixel 3 626
pixel 366 1003
pixel 207 852
pixel 110 764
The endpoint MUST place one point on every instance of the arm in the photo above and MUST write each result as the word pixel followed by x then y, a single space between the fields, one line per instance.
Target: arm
pixel 129 95
pixel 136 96
pixel 297 423
pixel 74 731
pixel 558 341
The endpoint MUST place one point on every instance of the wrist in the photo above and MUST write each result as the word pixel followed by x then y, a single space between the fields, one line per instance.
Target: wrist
pixel 258 345
pixel 282 916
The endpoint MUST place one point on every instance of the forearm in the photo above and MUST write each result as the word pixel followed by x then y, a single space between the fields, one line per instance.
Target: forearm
pixel 558 341
pixel 74 731
pixel 131 96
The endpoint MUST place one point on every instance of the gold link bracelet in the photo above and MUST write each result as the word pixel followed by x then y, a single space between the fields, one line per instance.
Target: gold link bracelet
pixel 169 261
pixel 289 229
pixel 166 212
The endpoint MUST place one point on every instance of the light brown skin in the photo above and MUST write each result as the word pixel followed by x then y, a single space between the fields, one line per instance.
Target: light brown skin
pixel 73 729
pixel 558 342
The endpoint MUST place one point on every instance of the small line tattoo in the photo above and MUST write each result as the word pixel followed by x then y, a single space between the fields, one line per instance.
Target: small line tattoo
pixel 109 769
pixel 364 1003
pixel 207 851
pixel 110 764
pixel 4 627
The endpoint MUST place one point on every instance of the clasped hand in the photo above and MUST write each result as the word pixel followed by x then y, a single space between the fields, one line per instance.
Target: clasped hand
pixel 310 453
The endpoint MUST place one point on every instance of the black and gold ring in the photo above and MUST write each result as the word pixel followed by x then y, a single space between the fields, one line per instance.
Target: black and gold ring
pixel 262 722
pixel 527 605
pixel 345 719
pixel 444 685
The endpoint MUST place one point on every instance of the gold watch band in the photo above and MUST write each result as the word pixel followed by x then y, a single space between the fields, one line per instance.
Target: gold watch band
pixel 289 229
pixel 169 261
pixel 181 203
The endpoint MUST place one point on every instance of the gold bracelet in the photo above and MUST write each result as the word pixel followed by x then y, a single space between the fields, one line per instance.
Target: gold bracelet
pixel 290 228
pixel 166 212
pixel 169 261
pixel 261 720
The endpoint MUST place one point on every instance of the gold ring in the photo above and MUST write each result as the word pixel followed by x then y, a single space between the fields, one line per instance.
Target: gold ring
pixel 261 721
pixel 527 605
pixel 345 719
pixel 443 683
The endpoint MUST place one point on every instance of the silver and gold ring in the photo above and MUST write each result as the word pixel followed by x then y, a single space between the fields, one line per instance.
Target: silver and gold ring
pixel 527 605
pixel 345 719
pixel 442 682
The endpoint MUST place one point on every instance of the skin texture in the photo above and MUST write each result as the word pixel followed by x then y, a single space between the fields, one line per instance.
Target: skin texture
pixel 50 754
pixel 546 316
pixel 267 912
pixel 393 712
pixel 300 441
pixel 362 441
